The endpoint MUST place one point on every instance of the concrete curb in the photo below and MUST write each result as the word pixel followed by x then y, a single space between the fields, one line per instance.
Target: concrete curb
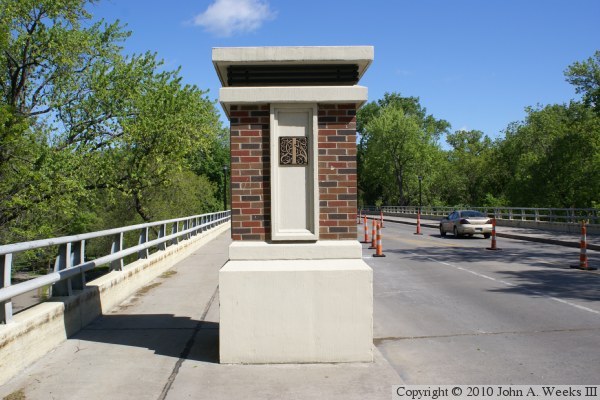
pixel 509 236
pixel 546 240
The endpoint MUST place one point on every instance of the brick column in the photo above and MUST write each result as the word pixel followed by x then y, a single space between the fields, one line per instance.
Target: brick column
pixel 250 172
pixel 250 183
pixel 337 172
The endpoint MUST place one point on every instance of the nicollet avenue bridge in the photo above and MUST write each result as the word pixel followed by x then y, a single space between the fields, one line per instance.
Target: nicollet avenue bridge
pixel 142 320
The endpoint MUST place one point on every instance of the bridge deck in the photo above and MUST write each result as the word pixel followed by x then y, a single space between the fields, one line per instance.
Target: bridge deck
pixel 162 343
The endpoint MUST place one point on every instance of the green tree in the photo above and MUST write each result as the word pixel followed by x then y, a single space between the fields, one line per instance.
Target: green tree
pixel 552 159
pixel 467 178
pixel 398 143
pixel 161 125
pixel 45 56
pixel 47 51
pixel 585 76
pixel 85 129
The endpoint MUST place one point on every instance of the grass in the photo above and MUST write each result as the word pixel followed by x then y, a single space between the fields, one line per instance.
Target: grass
pixel 168 274
pixel 18 395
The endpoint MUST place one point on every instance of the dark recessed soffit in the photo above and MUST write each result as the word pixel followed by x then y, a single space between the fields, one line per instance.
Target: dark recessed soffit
pixel 292 75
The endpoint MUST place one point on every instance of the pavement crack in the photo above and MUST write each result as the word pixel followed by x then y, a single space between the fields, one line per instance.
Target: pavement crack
pixel 378 341
pixel 188 347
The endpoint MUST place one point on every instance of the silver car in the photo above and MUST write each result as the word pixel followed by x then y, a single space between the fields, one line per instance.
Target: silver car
pixel 466 222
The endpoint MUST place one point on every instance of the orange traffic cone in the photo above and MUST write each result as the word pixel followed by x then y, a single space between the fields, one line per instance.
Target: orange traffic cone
pixel 366 231
pixel 583 259
pixel 379 249
pixel 373 240
pixel 418 232
pixel 493 247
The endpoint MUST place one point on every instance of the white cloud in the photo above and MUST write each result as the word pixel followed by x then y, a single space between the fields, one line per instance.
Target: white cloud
pixel 226 17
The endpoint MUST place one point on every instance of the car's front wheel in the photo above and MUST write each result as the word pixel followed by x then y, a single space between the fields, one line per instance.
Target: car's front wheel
pixel 487 235
pixel 455 232
pixel 442 231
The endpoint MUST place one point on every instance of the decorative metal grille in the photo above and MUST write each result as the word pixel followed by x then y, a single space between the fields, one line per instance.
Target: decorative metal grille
pixel 293 150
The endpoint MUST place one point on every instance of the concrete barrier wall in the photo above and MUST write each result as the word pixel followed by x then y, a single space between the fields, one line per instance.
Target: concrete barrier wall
pixel 36 331
pixel 592 229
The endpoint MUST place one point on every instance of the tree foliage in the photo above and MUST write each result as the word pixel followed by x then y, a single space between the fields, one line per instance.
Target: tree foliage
pixel 398 143
pixel 87 132
pixel 550 159
pixel 585 76
pixel 467 175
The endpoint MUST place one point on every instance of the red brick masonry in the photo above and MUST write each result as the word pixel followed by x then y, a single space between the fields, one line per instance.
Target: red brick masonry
pixel 250 176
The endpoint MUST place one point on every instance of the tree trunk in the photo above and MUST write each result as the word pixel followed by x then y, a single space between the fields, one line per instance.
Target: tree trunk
pixel 141 210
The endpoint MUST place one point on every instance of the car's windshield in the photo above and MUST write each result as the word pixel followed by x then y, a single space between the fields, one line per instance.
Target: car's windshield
pixel 471 214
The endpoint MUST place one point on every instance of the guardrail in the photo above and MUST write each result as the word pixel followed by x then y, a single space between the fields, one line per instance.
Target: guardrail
pixel 562 215
pixel 70 264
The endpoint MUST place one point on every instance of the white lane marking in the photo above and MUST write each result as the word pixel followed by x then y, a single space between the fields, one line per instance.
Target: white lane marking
pixel 510 284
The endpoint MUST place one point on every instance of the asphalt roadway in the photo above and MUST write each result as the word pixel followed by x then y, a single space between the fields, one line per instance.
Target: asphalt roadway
pixel 446 311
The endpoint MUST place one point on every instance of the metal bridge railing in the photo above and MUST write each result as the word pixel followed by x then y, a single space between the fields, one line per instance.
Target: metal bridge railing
pixel 561 215
pixel 70 264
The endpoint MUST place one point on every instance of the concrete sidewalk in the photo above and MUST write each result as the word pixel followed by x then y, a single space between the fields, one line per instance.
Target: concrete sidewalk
pixel 532 235
pixel 162 343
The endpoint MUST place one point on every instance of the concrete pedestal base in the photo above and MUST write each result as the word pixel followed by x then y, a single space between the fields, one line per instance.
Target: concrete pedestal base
pixel 296 311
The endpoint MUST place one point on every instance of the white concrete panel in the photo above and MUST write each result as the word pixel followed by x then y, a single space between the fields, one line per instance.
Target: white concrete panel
pixel 294 190
pixel 293 199
pixel 323 249
pixel 292 181
pixel 292 94
pixel 296 311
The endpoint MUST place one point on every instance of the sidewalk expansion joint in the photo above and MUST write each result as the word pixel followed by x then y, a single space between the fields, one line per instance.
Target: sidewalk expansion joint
pixel 188 347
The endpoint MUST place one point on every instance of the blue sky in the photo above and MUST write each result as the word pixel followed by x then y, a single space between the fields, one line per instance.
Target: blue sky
pixel 476 64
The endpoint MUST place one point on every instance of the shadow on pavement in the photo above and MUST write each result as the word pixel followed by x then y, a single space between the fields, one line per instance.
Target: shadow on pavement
pixel 562 284
pixel 165 334
pixel 549 278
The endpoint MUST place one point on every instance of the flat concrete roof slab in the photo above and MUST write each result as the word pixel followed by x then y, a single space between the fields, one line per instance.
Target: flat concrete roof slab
pixel 223 57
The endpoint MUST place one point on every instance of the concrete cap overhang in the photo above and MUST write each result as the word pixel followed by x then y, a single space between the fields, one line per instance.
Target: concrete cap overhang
pixel 361 56
pixel 223 57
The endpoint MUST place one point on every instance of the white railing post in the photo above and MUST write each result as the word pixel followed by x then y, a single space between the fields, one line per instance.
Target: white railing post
pixel 162 232
pixel 5 279
pixel 174 230
pixel 63 261
pixel 194 225
pixel 78 257
pixel 117 246
pixel 143 254
pixel 186 225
